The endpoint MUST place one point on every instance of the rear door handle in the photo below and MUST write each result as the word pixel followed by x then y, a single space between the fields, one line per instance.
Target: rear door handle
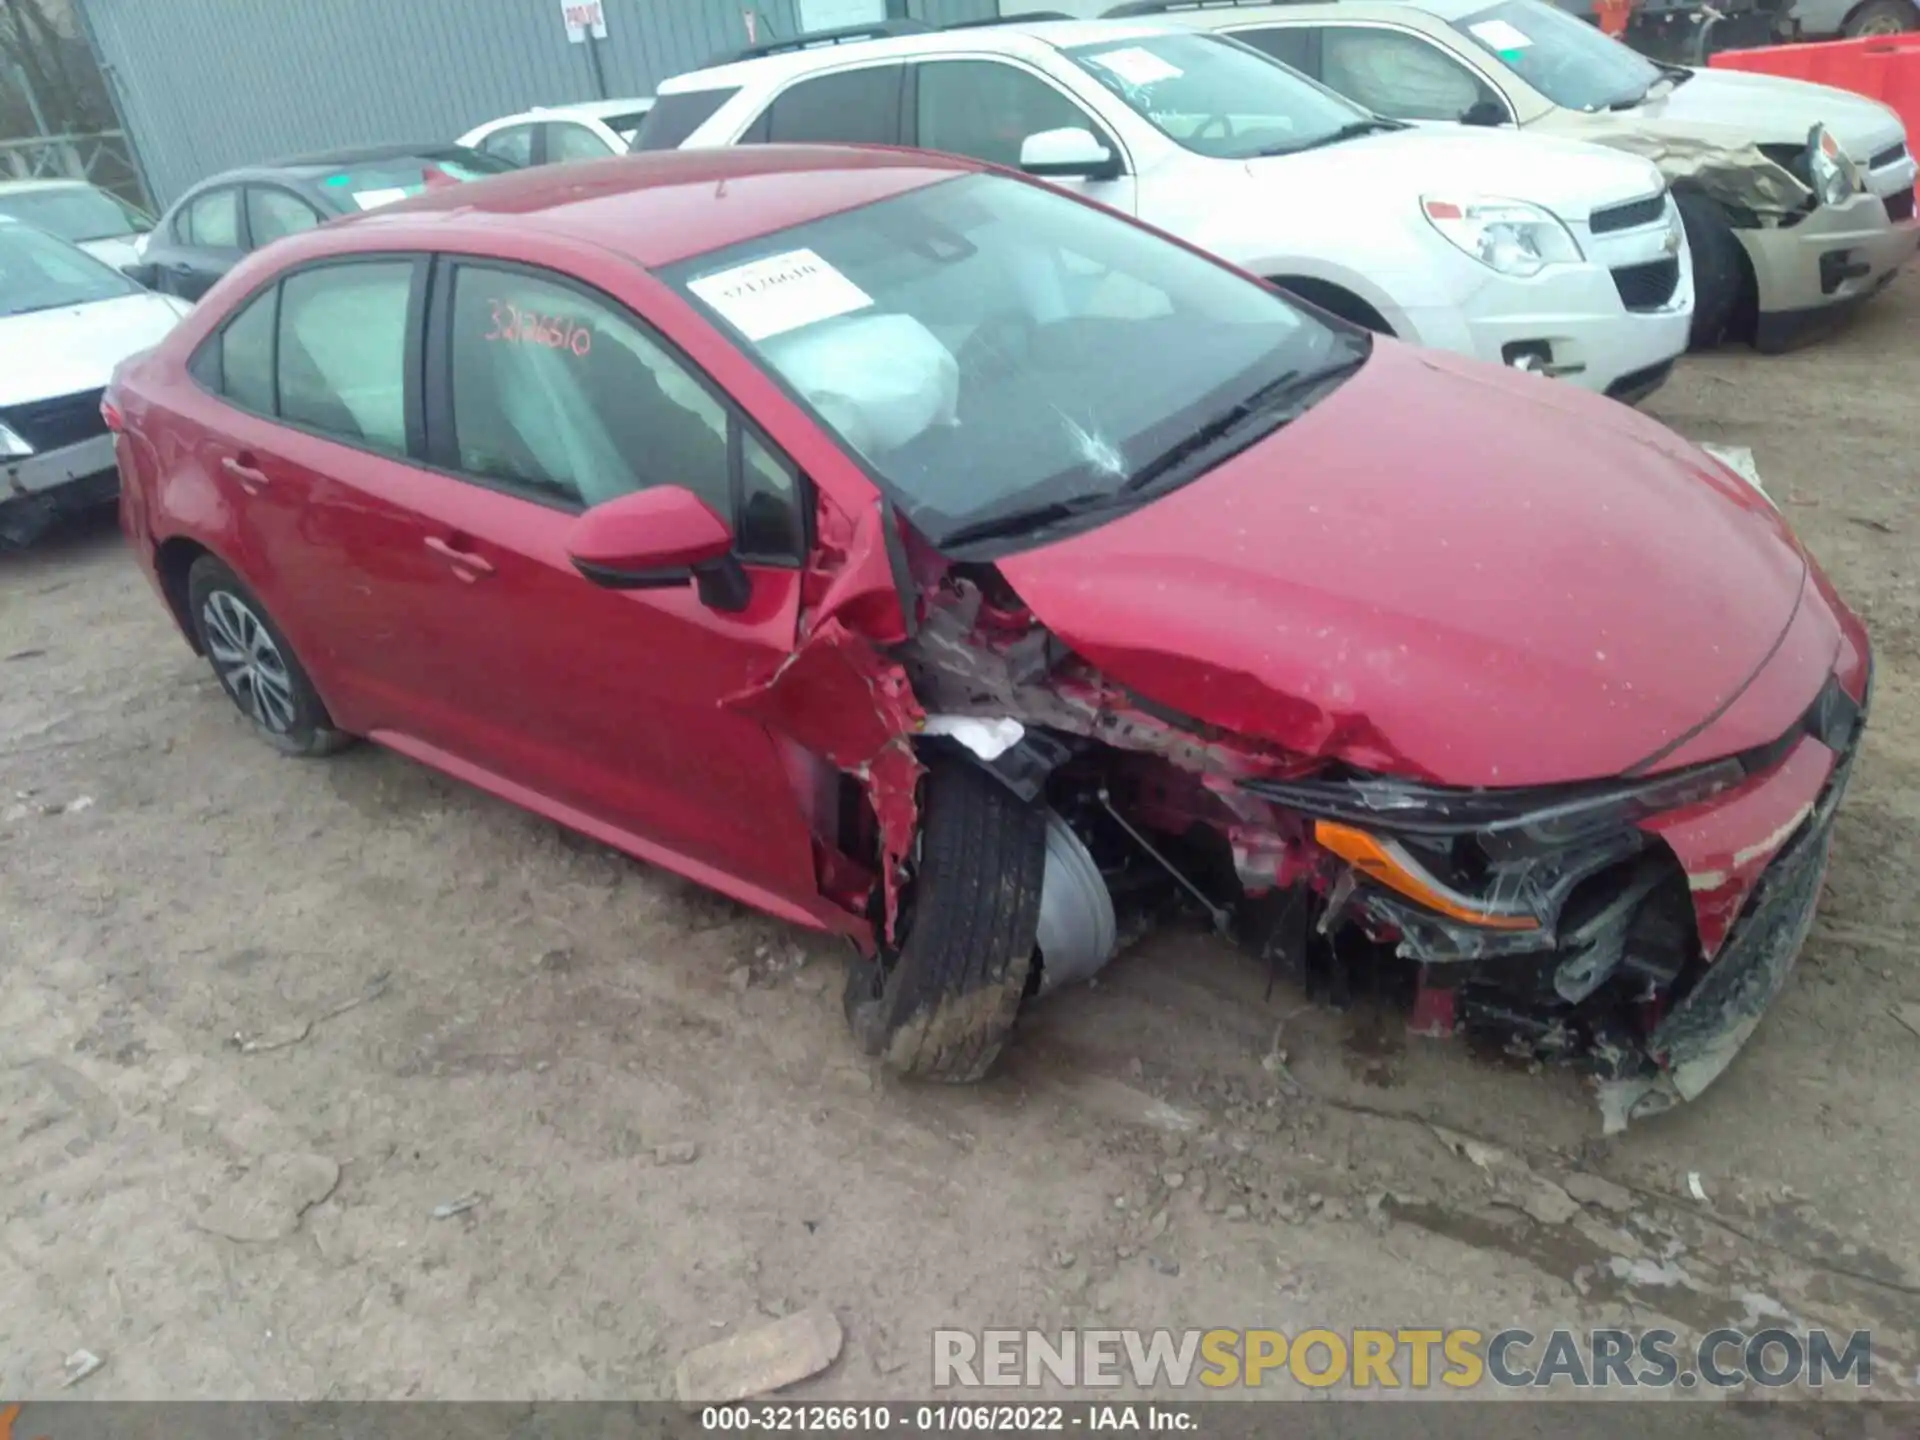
pixel 251 478
pixel 467 565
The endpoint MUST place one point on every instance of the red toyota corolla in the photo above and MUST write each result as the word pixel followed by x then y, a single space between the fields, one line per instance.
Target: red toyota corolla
pixel 917 553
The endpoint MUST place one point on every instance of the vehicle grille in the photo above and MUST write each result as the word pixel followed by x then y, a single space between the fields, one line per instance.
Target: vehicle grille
pixel 55 424
pixel 1899 206
pixel 1892 155
pixel 1624 217
pixel 1648 286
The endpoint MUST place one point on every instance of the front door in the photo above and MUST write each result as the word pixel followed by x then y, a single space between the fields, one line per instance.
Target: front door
pixel 543 400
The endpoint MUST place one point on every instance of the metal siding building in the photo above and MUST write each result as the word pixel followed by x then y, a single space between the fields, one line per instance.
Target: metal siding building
pixel 205 85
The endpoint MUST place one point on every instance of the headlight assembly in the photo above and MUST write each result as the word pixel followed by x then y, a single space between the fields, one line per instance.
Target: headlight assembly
pixel 1510 236
pixel 1834 177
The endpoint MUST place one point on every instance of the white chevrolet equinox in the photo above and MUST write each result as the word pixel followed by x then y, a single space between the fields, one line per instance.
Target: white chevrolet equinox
pixel 1544 254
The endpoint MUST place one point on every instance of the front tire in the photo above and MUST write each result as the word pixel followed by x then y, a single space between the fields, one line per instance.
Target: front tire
pixel 255 665
pixel 1719 268
pixel 1881 17
pixel 941 1006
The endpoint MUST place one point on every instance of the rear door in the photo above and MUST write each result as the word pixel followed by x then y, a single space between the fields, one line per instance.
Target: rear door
pixel 567 141
pixel 207 239
pixel 314 458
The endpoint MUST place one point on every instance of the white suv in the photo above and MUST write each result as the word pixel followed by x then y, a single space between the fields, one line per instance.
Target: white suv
pixel 1544 254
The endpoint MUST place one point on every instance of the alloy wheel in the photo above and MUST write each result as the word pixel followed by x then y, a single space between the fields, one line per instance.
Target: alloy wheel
pixel 249 664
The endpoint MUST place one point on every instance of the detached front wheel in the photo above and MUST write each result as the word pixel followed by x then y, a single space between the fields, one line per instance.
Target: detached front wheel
pixel 941 1004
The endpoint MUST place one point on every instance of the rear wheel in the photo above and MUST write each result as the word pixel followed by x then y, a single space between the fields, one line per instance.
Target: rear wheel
pixel 255 665
pixel 1719 267
pixel 942 1004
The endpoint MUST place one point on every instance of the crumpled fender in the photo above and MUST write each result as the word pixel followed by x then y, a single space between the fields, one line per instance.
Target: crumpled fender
pixel 1734 175
pixel 839 696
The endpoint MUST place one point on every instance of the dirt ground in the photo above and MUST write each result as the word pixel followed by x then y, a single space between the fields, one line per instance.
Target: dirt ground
pixel 260 1017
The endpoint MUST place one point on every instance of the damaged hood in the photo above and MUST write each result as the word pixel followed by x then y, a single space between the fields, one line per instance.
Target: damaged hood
pixel 1770 109
pixel 1510 582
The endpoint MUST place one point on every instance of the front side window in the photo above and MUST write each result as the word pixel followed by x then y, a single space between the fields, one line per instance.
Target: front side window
pixel 852 107
pixel 1394 73
pixel 560 396
pixel 1218 97
pixel 274 214
pixel 1560 55
pixel 513 145
pixel 574 142
pixel 992 348
pixel 38 272
pixel 1291 45
pixel 627 126
pixel 986 110
pixel 212 222
pixel 78 213
pixel 343 345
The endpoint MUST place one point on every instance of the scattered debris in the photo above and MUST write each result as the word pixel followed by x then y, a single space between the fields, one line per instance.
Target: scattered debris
pixel 1174 1179
pixel 1695 1188
pixel 1548 1203
pixel 1162 1265
pixel 1597 1190
pixel 1064 1259
pixel 80 1364
pixel 292 1034
pixel 760 1361
pixel 676 1152
pixel 269 1200
pixel 740 979
pixel 1235 1213
pixel 457 1207
pixel 25 655
pixel 1869 523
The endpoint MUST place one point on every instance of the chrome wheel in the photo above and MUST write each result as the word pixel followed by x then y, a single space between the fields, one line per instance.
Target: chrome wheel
pixel 249 664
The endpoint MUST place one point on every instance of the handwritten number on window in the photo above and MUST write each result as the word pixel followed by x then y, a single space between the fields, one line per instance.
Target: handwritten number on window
pixel 512 325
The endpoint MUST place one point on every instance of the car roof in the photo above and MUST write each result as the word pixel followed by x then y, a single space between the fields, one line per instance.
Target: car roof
pixel 1217 16
pixel 1010 37
pixel 21 187
pixel 355 155
pixel 663 206
pixel 578 109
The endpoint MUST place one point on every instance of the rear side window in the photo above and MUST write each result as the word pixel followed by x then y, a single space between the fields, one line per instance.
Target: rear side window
pixel 211 222
pixel 246 355
pixel 675 117
pixel 343 345
pixel 853 107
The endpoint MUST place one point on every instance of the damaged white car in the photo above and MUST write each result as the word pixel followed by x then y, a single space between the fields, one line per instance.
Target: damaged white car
pixel 1798 198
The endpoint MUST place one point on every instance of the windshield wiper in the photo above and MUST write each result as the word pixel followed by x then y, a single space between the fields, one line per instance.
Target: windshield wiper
pixel 1352 130
pixel 1022 521
pixel 1277 400
pixel 36 309
pixel 1674 75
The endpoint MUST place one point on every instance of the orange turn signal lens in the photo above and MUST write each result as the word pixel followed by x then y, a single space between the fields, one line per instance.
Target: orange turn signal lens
pixel 1387 864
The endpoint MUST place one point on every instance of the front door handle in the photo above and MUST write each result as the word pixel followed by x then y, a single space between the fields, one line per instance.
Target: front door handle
pixel 467 565
pixel 250 477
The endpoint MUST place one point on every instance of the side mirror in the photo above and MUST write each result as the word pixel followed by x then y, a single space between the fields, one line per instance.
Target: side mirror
pixel 1070 153
pixel 658 539
pixel 1484 112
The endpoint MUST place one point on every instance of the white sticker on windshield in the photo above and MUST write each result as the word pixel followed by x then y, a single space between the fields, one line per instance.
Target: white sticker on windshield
pixel 1136 66
pixel 374 199
pixel 780 293
pixel 1499 35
